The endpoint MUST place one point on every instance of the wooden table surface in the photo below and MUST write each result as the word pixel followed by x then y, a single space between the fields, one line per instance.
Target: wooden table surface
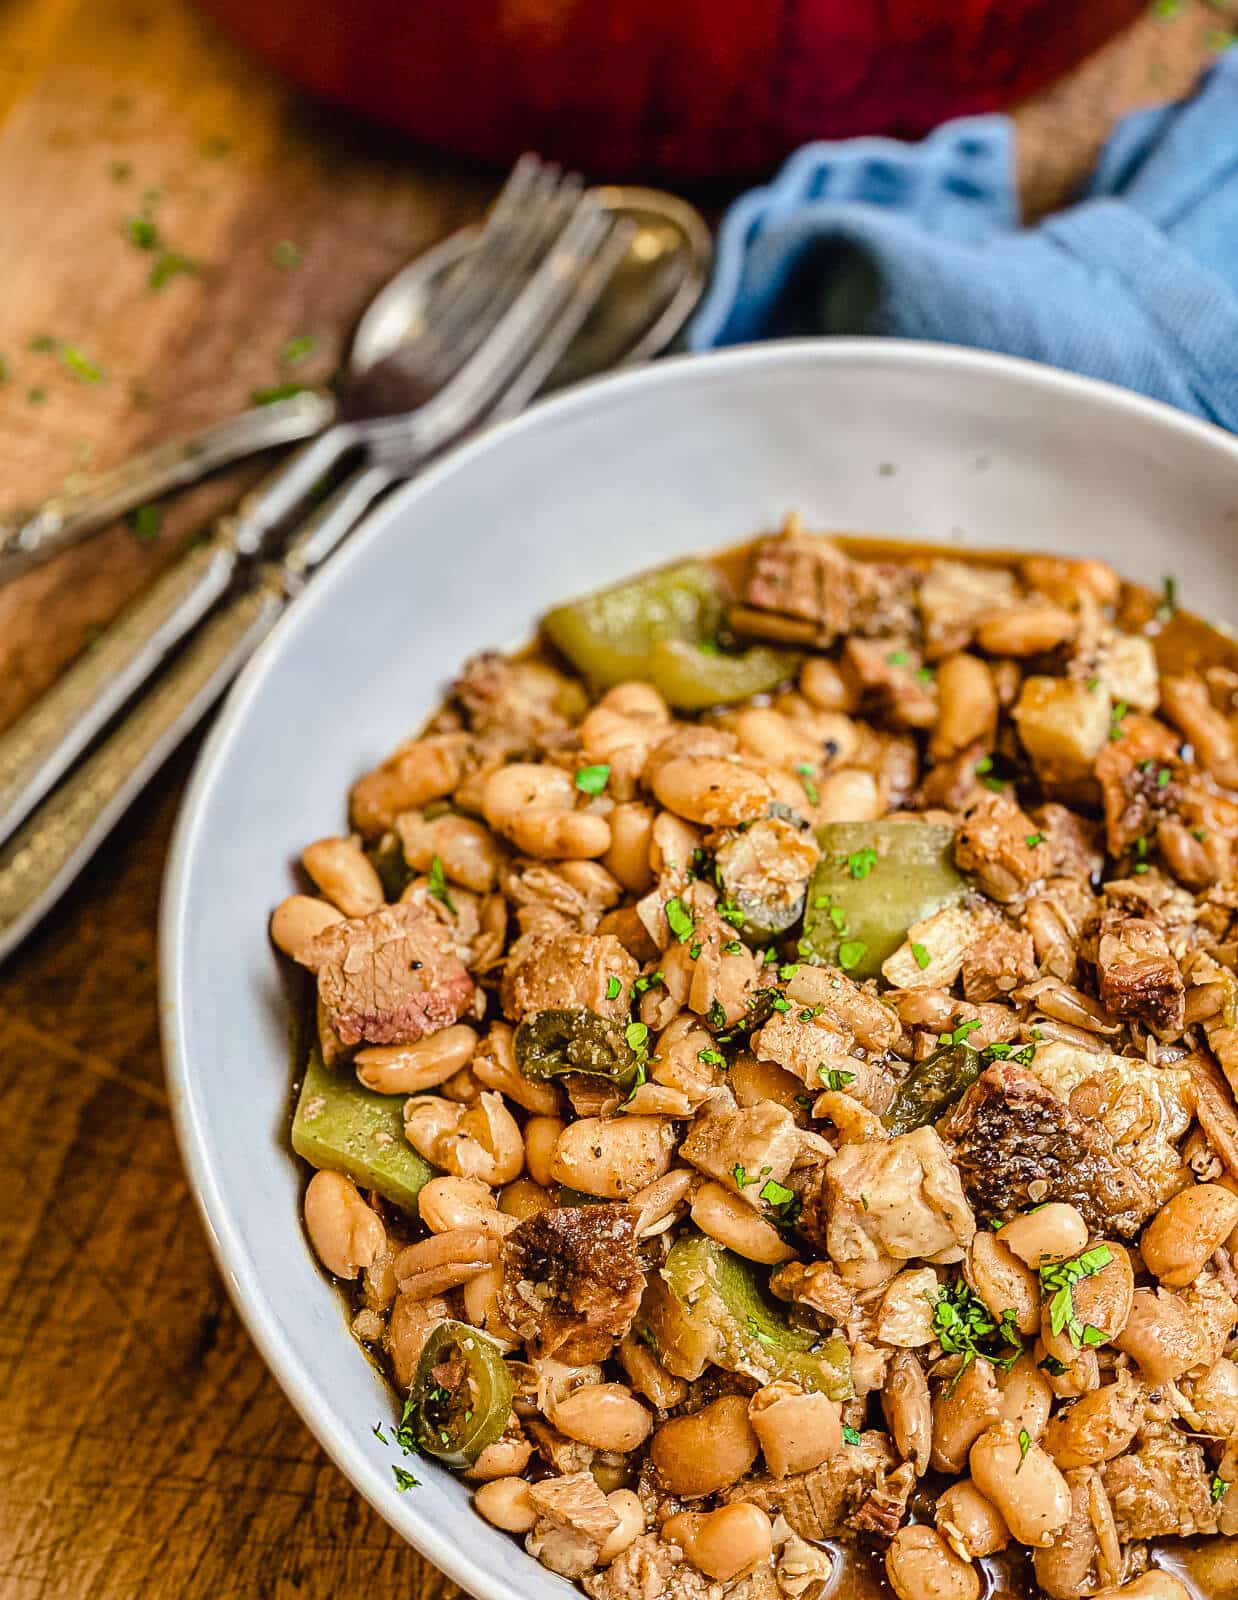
pixel 144 1449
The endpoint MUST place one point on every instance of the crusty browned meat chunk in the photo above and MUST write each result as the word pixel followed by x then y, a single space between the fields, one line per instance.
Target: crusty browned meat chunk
pixel 1137 974
pixel 992 844
pixel 526 698
pixel 567 972
pixel 1016 1144
pixel 1128 770
pixel 998 961
pixel 1160 1489
pixel 833 1499
pixel 388 978
pixel 572 1275
pixel 888 683
pixel 648 1570
pixel 574 1520
pixel 806 576
pixel 816 1285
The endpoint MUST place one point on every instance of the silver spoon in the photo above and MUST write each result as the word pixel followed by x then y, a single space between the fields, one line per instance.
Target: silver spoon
pixel 658 282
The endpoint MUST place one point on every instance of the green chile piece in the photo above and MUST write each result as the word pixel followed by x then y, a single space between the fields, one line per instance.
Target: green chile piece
pixel 345 1128
pixel 550 1044
pixel 662 628
pixel 932 1087
pixel 874 902
pixel 708 1305
pixel 455 1424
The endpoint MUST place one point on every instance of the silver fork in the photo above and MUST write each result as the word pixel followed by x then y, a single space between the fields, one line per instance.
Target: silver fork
pixel 456 366
pixel 44 857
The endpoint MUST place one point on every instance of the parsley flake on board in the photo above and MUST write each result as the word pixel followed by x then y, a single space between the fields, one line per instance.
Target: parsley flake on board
pixel 592 780
pixel 436 881
pixel 404 1480
pixel 1058 1278
pixel 679 919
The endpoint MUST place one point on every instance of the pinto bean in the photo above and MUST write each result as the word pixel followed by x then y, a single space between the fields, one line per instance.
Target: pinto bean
pixel 1003 1281
pixel 614 1157
pixel 706 1451
pixel 298 920
pixel 425 1064
pixel 1178 1241
pixel 342 872
pixel 972 1526
pixel 723 1543
pixel 1052 1232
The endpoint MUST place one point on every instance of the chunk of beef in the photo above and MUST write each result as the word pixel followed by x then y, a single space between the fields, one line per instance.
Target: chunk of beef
pixel 932 954
pixel 565 896
pixel 954 596
pixel 810 1047
pixel 998 961
pixel 765 869
pixel 992 844
pixel 851 1008
pixel 894 1200
pixel 1160 1489
pixel 389 977
pixel 834 1499
pixel 574 1521
pixel 1138 977
pixel 1072 845
pixel 572 1274
pixel 807 577
pixel 523 698
pixel 814 1284
pixel 1128 770
pixel 744 1149
pixel 888 683
pixel 567 972
pixel 1016 1144
pixel 648 1570
pixel 1188 705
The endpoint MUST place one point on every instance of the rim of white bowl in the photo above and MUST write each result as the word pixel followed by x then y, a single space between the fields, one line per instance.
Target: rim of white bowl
pixel 262 1319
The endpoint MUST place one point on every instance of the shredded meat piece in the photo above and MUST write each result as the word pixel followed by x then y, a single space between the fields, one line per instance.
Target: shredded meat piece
pixel 766 868
pixel 1160 1488
pixel 888 684
pixel 806 576
pixel 1009 1132
pixel 833 1499
pixel 880 1514
pixel 992 843
pixel 525 698
pixel 809 1047
pixel 814 1284
pixel 852 1009
pixel 894 1200
pixel 389 977
pixel 999 960
pixel 567 971
pixel 744 1149
pixel 1128 770
pixel 572 1274
pixel 1138 977
pixel 1072 844
pixel 1213 1316
pixel 574 1520
pixel 648 1570
pixel 954 597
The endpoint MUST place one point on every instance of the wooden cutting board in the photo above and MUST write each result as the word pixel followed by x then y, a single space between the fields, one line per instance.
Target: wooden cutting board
pixel 144 1449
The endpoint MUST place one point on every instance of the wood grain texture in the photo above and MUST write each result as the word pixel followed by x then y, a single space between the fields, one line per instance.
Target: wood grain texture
pixel 144 1450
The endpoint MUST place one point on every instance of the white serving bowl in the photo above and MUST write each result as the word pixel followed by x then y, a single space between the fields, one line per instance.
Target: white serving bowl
pixel 928 441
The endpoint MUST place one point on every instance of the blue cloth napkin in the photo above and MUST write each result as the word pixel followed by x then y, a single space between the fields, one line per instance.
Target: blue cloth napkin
pixel 1137 283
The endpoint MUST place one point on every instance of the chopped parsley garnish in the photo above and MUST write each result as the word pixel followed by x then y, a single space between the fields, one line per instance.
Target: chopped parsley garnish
pixel 897 658
pixel 995 785
pixel 437 883
pixel 788 970
pixel 171 264
pixel 613 988
pixel 1001 1051
pixel 36 394
pixel 679 919
pixel 861 862
pixel 694 954
pixel 403 1479
pixel 1199 833
pixel 649 981
pixel 637 1036
pixel 756 1331
pixel 1054 1367
pixel 851 1436
pixel 80 365
pixel 805 771
pixel 985 764
pixel 142 233
pixel 1058 1278
pixel 274 392
pixel 1093 684
pixel 297 348
pixel 1116 718
pixel 144 523
pixel 742 1180
pixel 835 1077
pixel 647 1336
pixel 286 255
pixel 711 1058
pixel 850 953
pixel 965 1327
pixel 1025 1444
pixel 592 780
pixel 43 344
pixel 839 918
pixel 1217 1488
pixel 922 957
pixel 924 674
pixel 809 1012
pixel 1162 778
pixel 730 912
pixel 1031 840
pixel 777 1194
pixel 961 1031
pixel 716 1016
pixel 377 1431
pixel 780 1002
pixel 732 948
pixel 1169 600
